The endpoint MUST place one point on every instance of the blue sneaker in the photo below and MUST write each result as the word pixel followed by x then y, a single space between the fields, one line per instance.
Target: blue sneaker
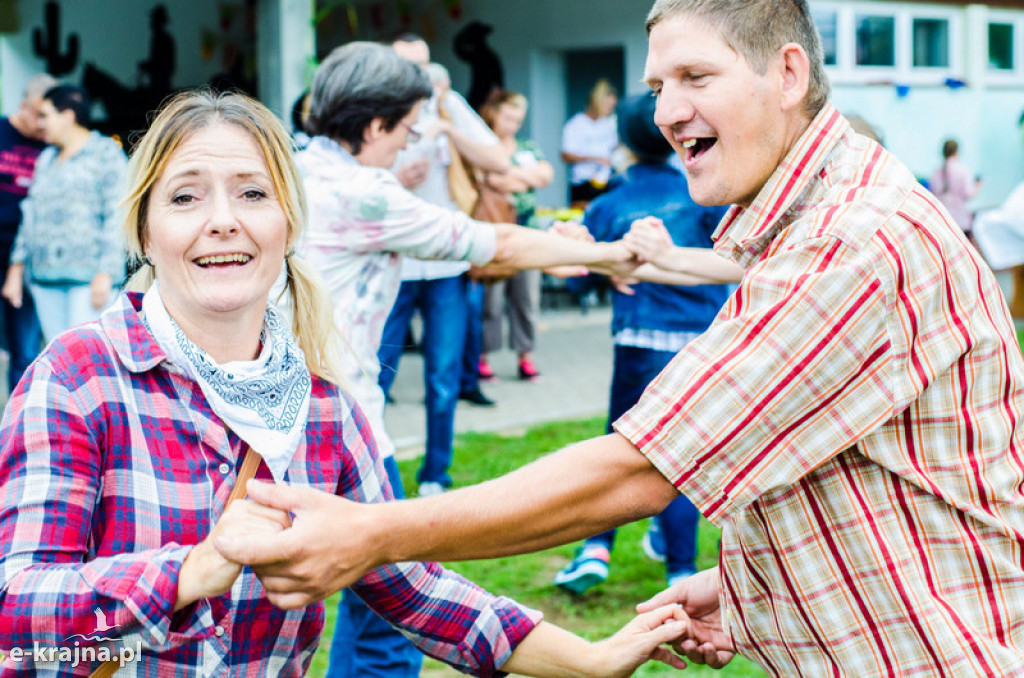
pixel 676 577
pixel 653 542
pixel 588 569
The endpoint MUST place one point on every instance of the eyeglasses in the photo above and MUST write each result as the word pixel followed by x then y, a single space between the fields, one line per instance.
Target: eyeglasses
pixel 414 136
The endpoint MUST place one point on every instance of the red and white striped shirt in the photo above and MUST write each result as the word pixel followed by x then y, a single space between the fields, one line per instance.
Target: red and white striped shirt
pixel 851 422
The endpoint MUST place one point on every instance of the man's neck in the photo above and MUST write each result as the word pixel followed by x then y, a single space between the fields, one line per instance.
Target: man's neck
pixel 22 123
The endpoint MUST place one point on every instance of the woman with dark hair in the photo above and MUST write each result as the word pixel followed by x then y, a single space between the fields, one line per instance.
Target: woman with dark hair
pixel 68 247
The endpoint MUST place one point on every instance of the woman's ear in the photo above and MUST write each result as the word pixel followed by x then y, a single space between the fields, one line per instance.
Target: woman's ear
pixel 374 130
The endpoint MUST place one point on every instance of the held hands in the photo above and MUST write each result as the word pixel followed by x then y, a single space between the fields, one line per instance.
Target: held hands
pixel 308 562
pixel 705 641
pixel 413 173
pixel 649 240
pixel 205 572
pixel 642 639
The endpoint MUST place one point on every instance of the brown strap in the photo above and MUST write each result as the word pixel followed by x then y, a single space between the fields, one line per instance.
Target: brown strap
pixel 250 464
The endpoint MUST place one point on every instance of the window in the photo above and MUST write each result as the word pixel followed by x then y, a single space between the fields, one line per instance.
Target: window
pixel 876 40
pixel 1000 47
pixel 826 21
pixel 931 43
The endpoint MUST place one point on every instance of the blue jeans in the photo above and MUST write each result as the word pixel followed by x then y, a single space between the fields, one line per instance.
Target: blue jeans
pixel 442 303
pixel 364 644
pixel 634 368
pixel 22 335
pixel 470 380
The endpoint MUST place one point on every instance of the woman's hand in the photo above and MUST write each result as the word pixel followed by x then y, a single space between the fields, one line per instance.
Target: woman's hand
pixel 641 640
pixel 205 572
pixel 99 290
pixel 706 640
pixel 14 285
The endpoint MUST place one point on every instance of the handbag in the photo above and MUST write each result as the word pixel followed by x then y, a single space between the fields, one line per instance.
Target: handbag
pixel 461 181
pixel 250 464
pixel 493 205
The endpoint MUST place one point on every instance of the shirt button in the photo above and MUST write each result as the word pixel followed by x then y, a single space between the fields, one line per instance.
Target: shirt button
pixel 224 469
pixel 218 630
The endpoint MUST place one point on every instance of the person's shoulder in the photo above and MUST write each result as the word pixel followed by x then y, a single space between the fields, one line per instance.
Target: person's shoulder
pixel 79 354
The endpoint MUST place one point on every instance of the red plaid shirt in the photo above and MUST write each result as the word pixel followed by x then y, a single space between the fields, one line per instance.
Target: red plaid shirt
pixel 851 421
pixel 112 466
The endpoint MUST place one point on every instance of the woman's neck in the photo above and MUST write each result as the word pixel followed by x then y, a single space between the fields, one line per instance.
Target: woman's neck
pixel 73 143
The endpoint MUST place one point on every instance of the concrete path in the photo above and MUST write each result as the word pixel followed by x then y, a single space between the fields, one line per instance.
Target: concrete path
pixel 574 355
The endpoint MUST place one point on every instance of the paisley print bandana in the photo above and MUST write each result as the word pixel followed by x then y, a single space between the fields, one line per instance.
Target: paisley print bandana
pixel 264 401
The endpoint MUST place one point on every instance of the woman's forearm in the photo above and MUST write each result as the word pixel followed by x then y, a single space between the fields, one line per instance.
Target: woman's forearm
pixel 529 248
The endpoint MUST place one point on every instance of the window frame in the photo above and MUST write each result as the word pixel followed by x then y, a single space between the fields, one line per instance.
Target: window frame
pixel 1014 76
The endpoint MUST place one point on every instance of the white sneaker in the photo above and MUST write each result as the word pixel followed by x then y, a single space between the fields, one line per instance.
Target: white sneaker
pixel 431 489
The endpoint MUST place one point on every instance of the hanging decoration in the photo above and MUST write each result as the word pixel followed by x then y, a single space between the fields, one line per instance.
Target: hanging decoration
pixel 454 8
pixel 207 44
pixel 377 16
pixel 9 16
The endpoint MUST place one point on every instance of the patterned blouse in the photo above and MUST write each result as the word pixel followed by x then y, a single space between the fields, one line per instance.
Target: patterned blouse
pixel 113 465
pixel 69 232
pixel 852 421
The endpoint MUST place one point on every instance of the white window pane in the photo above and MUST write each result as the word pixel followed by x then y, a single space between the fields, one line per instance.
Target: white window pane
pixel 876 40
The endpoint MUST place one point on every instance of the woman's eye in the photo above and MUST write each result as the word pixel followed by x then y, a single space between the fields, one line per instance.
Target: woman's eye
pixel 254 194
pixel 182 199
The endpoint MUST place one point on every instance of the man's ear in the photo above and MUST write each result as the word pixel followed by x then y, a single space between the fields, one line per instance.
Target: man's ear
pixel 795 74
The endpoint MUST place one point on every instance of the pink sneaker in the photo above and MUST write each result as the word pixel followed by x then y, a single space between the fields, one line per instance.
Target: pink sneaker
pixel 483 369
pixel 528 371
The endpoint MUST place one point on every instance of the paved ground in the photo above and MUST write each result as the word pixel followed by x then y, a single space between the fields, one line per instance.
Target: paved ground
pixel 574 355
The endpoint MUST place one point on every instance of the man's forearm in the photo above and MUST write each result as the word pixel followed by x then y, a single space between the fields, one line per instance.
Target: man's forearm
pixel 575 493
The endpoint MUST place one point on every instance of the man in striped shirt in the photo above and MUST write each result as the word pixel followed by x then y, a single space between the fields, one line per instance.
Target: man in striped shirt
pixel 850 420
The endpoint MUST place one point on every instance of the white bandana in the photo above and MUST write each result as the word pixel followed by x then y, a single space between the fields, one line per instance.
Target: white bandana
pixel 264 401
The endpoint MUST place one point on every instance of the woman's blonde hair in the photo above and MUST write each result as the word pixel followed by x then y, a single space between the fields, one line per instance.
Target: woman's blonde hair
pixel 603 89
pixel 184 115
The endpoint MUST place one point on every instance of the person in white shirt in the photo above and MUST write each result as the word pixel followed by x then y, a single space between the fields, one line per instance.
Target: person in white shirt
pixel 588 140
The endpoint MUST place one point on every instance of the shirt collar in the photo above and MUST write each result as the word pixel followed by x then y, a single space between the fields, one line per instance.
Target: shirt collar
pixel 322 145
pixel 127 333
pixel 745 232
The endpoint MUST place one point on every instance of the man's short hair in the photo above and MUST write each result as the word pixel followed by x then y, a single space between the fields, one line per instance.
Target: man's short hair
pixel 39 84
pixel 757 29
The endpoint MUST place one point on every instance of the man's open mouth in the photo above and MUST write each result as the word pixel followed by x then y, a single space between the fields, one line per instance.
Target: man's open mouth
pixel 696 147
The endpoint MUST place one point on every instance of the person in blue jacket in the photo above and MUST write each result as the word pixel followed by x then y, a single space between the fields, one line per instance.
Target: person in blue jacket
pixel 650 325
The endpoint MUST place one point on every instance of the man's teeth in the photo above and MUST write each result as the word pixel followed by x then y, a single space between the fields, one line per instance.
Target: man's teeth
pixel 223 259
pixel 689 143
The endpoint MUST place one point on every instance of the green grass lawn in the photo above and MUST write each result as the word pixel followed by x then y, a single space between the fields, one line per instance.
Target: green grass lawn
pixel 528 578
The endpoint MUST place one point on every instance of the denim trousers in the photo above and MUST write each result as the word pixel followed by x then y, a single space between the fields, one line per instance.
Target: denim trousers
pixel 470 379
pixel 633 369
pixel 22 336
pixel 442 304
pixel 364 645
pixel 61 307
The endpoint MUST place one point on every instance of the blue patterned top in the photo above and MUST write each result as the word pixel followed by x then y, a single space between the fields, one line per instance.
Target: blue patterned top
pixel 69 232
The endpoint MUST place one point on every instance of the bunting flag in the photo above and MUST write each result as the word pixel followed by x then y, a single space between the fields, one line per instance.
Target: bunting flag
pixel 226 13
pixel 429 29
pixel 207 45
pixel 9 16
pixel 377 16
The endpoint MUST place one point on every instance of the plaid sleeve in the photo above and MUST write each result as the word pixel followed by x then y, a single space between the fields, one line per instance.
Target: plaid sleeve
pixel 51 478
pixel 797 369
pixel 445 615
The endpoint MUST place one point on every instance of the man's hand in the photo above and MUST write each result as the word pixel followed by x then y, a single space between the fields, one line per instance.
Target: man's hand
pixel 641 640
pixel 414 173
pixel 327 548
pixel 706 641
